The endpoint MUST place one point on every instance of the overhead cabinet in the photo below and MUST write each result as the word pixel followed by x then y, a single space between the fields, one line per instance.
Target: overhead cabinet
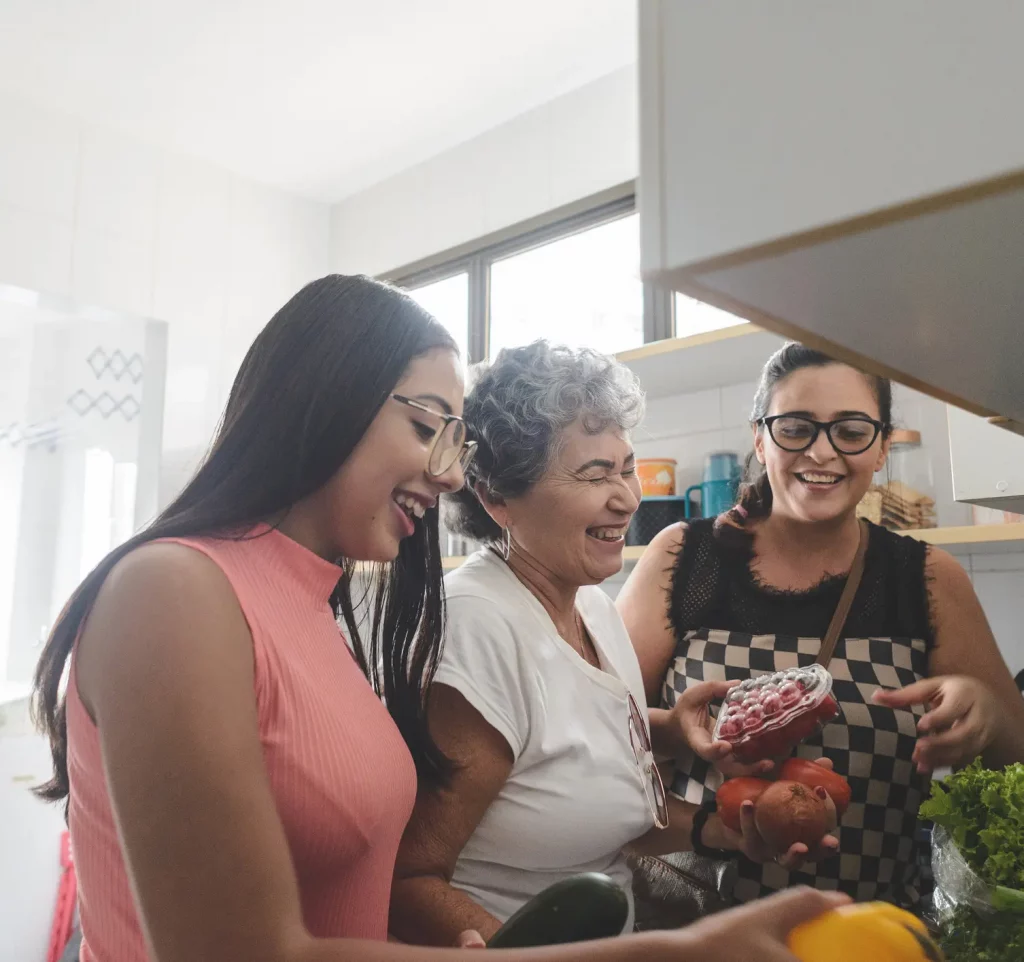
pixel 847 174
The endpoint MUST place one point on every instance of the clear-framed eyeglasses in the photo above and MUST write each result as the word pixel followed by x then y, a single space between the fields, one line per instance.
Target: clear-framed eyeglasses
pixel 449 445
pixel 654 787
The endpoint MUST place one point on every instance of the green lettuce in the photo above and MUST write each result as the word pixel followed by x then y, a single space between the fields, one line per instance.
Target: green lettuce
pixel 969 938
pixel 983 811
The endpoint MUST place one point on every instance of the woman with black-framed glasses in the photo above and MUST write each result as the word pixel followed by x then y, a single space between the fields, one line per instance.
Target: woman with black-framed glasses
pixel 848 435
pixel 917 673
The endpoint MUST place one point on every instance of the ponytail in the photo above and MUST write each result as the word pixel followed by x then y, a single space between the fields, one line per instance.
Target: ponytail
pixel 755 501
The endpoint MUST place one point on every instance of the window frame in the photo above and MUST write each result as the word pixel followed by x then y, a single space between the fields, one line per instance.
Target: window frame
pixel 476 258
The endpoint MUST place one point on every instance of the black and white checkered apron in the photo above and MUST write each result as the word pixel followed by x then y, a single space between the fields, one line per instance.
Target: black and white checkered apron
pixel 870 746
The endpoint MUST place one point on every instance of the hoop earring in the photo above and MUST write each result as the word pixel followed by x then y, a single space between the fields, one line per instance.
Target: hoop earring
pixel 506 543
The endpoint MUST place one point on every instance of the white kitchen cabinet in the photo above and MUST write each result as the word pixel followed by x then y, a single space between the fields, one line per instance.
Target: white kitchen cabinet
pixel 988 463
pixel 848 174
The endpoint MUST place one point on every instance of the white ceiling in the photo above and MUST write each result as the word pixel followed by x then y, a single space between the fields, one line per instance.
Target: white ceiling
pixel 320 97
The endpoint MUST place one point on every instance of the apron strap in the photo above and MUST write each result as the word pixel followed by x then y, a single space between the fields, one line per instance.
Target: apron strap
pixel 835 628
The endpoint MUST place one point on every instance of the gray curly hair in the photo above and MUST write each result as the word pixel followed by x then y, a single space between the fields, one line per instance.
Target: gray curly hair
pixel 517 412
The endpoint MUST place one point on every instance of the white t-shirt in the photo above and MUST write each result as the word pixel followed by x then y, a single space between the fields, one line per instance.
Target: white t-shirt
pixel 575 795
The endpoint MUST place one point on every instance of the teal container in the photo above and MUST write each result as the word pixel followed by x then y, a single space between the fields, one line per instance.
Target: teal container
pixel 720 487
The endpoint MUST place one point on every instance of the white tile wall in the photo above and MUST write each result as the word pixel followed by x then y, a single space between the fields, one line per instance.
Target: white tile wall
pixel 593 144
pixel 118 186
pixel 373 230
pixel 309 242
pixel 39 165
pixel 737 402
pixel 682 414
pixel 517 155
pixel 570 148
pixel 35 250
pixel 453 183
pixel 117 224
pixel 192 209
pixel 112 270
pixel 1000 588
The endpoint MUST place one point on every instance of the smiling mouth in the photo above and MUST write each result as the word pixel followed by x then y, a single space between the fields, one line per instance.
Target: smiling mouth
pixel 607 535
pixel 818 477
pixel 413 508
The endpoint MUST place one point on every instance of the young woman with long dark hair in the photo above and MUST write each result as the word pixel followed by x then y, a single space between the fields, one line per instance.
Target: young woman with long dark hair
pixel 236 790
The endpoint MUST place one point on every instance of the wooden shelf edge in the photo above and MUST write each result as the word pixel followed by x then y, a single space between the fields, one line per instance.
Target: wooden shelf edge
pixel 969 534
pixel 672 344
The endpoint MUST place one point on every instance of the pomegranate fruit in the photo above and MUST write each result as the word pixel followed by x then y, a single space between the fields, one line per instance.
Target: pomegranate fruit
pixel 808 773
pixel 788 812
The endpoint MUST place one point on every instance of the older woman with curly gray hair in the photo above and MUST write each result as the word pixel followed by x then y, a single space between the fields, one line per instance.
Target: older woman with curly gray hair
pixel 537 696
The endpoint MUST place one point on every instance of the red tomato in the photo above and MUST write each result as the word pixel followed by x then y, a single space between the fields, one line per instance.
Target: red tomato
pixel 733 794
pixel 812 775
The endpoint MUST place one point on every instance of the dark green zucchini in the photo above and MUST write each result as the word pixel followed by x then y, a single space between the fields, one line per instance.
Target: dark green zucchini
pixel 577 909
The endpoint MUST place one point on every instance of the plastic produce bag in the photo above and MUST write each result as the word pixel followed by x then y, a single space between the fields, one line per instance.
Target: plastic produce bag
pixel 957 885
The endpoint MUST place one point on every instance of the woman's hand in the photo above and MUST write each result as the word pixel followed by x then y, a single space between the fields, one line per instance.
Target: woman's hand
pixel 962 721
pixel 689 725
pixel 749 841
pixel 754 847
pixel 470 939
pixel 755 931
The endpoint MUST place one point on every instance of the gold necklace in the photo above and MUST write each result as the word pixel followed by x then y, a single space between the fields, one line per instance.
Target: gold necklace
pixel 581 631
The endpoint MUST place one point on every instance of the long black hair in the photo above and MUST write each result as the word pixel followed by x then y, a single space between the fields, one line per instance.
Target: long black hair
pixel 308 389
pixel 755 499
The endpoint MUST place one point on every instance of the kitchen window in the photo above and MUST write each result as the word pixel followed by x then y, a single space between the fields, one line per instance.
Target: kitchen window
pixel 583 290
pixel 696 317
pixel 448 301
pixel 572 277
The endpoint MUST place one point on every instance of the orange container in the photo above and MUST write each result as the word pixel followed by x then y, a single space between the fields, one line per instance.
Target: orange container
pixel 657 476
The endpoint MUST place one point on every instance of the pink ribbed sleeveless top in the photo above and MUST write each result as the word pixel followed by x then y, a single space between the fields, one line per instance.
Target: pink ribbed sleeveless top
pixel 342 777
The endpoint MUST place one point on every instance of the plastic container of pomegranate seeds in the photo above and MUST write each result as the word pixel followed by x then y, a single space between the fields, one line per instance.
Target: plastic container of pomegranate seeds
pixel 768 716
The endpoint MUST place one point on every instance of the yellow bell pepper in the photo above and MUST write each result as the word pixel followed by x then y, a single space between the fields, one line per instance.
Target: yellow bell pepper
pixel 869 932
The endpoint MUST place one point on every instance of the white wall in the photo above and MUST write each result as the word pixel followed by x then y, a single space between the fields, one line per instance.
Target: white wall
pixel 568 149
pixel 113 222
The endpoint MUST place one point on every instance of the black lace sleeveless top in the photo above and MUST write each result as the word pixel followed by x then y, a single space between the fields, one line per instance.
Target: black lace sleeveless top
pixel 730 626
